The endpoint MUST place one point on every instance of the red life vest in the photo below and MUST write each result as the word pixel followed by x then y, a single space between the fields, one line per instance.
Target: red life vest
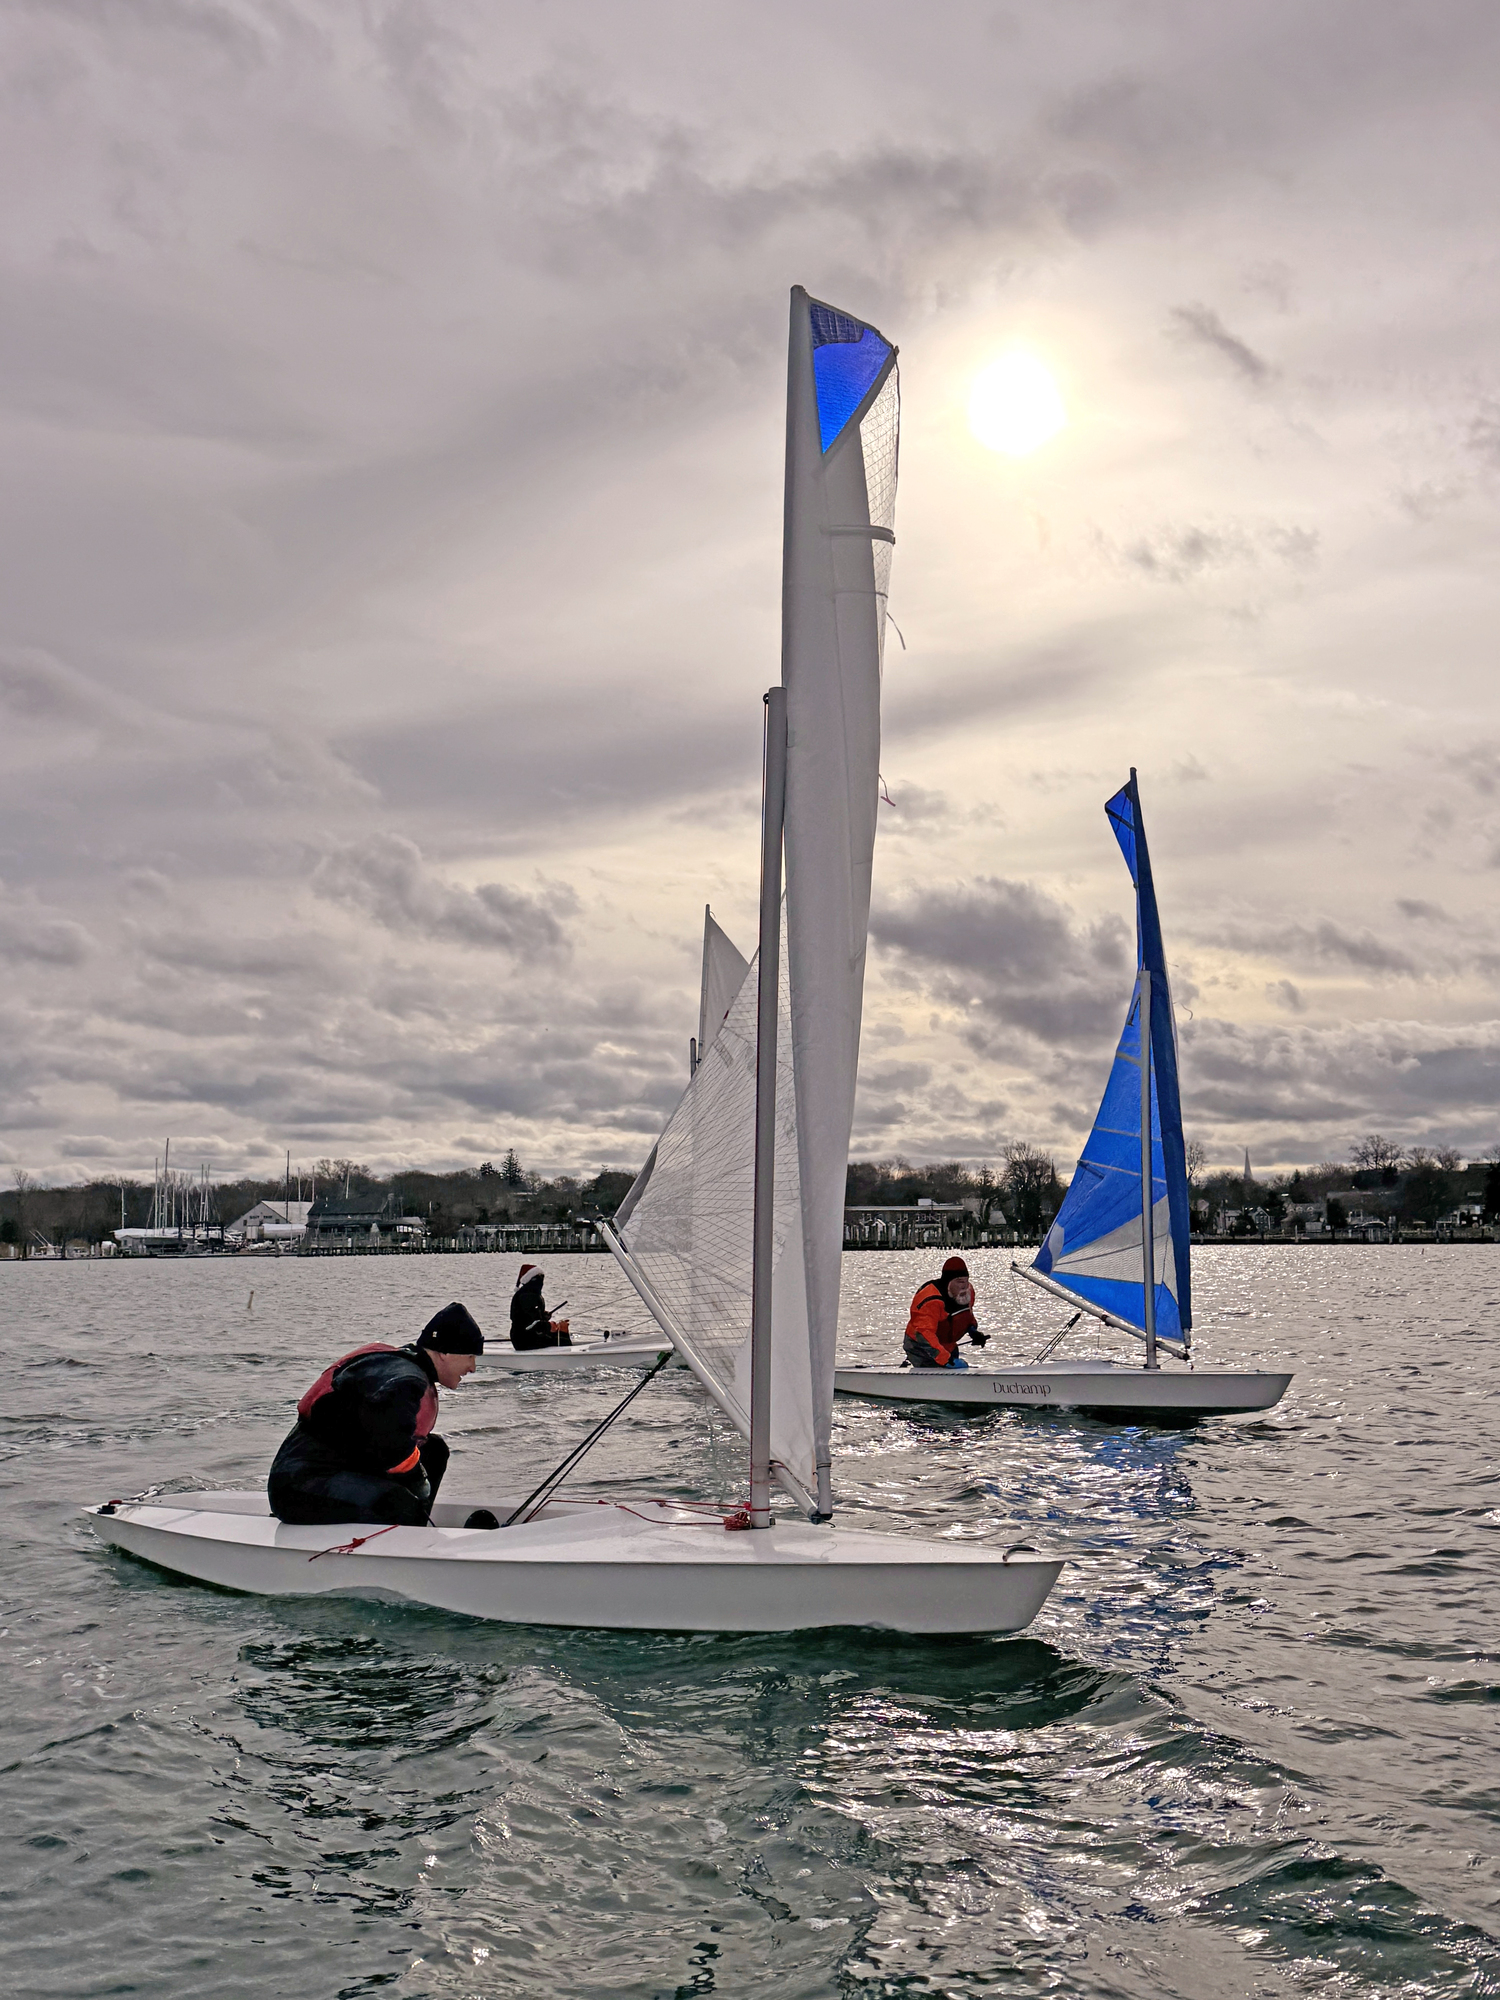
pixel 427 1412
pixel 932 1325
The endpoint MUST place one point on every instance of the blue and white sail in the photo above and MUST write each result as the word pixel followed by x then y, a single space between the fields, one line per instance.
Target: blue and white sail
pixel 1127 1207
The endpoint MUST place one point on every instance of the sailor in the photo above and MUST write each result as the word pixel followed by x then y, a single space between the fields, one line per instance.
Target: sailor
pixel 363 1447
pixel 941 1314
pixel 531 1324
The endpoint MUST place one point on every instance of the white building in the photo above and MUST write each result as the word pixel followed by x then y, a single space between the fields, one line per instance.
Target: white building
pixel 270 1222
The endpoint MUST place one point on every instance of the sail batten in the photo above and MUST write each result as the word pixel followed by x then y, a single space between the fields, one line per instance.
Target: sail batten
pixel 1097 1246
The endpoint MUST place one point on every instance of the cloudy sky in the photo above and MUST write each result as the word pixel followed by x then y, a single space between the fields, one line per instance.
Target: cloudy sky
pixel 392 414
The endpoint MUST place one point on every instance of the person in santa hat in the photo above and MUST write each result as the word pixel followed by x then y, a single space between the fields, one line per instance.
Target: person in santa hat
pixel 531 1324
pixel 942 1313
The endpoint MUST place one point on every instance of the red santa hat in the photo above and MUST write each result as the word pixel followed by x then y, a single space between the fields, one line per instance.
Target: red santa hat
pixel 954 1268
pixel 531 1274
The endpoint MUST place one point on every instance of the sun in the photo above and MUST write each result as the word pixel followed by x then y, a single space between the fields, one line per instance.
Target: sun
pixel 1015 405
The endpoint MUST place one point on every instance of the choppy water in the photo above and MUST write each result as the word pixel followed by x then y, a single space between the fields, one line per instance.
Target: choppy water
pixel 1249 1748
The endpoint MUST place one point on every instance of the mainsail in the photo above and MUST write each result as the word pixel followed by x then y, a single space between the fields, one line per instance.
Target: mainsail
pixel 684 1233
pixel 1098 1246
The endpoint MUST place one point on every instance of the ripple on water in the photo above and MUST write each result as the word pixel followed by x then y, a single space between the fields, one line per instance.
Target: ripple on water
pixel 1248 1746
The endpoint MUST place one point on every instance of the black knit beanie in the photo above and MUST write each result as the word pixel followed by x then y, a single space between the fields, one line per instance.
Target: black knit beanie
pixel 454 1330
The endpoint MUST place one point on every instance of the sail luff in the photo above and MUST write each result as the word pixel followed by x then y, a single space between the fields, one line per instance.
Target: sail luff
pixel 1164 1061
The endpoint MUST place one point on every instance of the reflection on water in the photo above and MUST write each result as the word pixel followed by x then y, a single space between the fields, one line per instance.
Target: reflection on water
pixel 1247 1747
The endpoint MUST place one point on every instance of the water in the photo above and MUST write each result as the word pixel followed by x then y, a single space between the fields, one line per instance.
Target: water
pixel 1249 1747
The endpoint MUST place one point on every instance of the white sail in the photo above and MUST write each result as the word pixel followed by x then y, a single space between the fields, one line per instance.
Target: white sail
pixel 684 1233
pixel 724 969
pixel 842 433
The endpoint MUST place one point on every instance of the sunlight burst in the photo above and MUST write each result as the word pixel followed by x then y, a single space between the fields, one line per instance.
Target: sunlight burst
pixel 1015 405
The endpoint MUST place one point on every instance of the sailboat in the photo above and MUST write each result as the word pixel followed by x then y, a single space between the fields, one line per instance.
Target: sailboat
pixel 1119 1250
pixel 732 1232
pixel 724 970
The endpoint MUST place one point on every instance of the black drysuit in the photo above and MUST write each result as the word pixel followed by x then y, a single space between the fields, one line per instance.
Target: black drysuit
pixel 531 1322
pixel 363 1448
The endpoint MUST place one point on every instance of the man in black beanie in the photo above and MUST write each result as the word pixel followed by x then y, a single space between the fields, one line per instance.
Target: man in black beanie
pixel 363 1447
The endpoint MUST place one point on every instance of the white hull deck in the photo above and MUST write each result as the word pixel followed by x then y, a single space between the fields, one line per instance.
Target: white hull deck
pixel 629 1350
pixel 1105 1388
pixel 632 1566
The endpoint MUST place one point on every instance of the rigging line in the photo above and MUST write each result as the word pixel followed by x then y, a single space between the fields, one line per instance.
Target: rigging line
pixel 1058 1338
pixel 541 1494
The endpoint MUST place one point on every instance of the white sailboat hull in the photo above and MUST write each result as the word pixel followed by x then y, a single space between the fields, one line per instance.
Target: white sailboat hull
pixel 633 1567
pixel 629 1351
pixel 1111 1388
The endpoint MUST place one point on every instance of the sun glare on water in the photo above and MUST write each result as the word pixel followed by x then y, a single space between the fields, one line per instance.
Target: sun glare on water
pixel 1015 405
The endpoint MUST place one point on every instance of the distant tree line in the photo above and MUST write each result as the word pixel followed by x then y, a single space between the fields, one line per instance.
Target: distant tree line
pixel 1020 1188
pixel 90 1211
pixel 1413 1184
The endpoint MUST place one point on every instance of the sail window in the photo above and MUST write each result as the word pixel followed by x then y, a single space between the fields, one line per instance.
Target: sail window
pixel 847 359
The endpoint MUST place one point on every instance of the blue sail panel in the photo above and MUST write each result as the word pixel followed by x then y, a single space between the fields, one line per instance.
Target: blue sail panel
pixel 1120 812
pixel 1095 1247
pixel 849 358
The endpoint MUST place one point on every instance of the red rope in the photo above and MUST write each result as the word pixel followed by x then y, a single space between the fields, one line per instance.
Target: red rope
pixel 740 1518
pixel 348 1548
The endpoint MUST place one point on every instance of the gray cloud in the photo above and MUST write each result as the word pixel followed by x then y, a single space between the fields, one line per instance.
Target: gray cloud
pixel 1321 943
pixel 1183 554
pixel 1200 326
pixel 1005 952
pixel 28 931
pixel 392 498
pixel 385 877
pixel 1327 1083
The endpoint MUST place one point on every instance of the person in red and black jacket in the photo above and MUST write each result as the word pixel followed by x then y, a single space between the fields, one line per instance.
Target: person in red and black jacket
pixel 363 1447
pixel 941 1314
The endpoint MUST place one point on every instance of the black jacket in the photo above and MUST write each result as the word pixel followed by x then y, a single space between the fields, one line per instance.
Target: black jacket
pixel 377 1411
pixel 530 1321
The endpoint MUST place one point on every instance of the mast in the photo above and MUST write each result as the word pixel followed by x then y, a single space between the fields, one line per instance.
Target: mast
pixel 768 1000
pixel 1148 1219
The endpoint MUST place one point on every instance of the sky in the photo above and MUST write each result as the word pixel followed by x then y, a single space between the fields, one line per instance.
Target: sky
pixel 391 414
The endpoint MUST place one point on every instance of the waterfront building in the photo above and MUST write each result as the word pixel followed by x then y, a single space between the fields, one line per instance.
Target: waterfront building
pixel 361 1222
pixel 270 1222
